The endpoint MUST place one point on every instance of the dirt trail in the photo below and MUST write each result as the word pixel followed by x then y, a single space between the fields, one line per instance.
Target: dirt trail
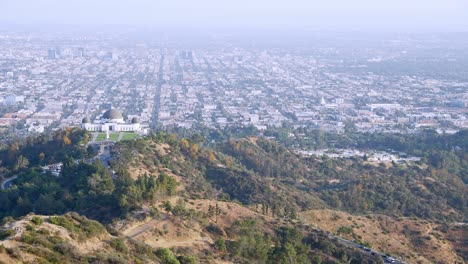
pixel 134 232
pixel 189 242
pixel 138 231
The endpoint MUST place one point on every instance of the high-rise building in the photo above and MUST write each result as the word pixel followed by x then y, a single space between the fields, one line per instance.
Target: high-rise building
pixel 79 52
pixel 58 52
pixel 51 54
pixel 186 55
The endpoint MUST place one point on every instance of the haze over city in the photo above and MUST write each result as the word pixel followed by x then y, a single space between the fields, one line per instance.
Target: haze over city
pixel 298 15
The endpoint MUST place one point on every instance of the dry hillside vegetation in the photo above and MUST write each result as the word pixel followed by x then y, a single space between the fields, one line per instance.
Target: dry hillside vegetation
pixel 419 241
pixel 66 239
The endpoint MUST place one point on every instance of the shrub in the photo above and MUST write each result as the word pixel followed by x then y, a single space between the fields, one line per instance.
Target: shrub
pixel 13 252
pixel 113 231
pixel 345 230
pixel 37 220
pixel 65 249
pixel 6 233
pixel 188 260
pixel 141 248
pixel 220 244
pixel 43 232
pixel 119 245
pixel 214 229
pixel 61 221
pixel 33 238
pixel 166 256
pixel 107 258
pixel 6 220
pixel 116 259
pixel 78 226
pixel 335 217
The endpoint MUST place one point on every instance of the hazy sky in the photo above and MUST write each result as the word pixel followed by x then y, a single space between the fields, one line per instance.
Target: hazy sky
pixel 295 14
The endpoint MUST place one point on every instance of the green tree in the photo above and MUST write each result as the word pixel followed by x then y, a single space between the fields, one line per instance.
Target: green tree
pixel 166 256
pixel 317 259
pixel 46 205
pixel 179 209
pixel 21 163
pixel 101 184
pixel 211 211
pixel 220 244
pixel 23 206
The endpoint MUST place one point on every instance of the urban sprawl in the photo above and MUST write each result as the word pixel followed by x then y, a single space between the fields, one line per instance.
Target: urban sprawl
pixel 54 82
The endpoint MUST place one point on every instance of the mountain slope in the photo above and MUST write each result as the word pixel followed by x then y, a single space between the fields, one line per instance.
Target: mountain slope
pixel 216 202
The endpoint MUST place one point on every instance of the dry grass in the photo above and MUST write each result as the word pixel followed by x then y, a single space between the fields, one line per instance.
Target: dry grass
pixel 168 231
pixel 413 239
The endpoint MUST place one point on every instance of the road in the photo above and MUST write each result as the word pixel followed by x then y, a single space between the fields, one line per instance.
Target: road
pixel 8 182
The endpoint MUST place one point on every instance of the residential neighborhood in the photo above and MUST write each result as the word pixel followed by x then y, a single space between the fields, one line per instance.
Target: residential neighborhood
pixel 52 83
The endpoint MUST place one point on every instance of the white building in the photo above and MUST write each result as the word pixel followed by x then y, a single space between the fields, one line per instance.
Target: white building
pixel 112 121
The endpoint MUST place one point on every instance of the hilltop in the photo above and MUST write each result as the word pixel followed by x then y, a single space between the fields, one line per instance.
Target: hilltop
pixel 70 238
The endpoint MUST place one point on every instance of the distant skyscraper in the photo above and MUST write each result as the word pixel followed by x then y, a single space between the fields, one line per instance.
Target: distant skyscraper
pixel 67 52
pixel 186 54
pixel 51 54
pixel 58 52
pixel 79 52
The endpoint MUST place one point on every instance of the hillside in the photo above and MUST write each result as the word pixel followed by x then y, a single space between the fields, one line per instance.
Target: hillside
pixel 240 201
pixel 259 161
pixel 419 241
pixel 72 238
pixel 67 239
